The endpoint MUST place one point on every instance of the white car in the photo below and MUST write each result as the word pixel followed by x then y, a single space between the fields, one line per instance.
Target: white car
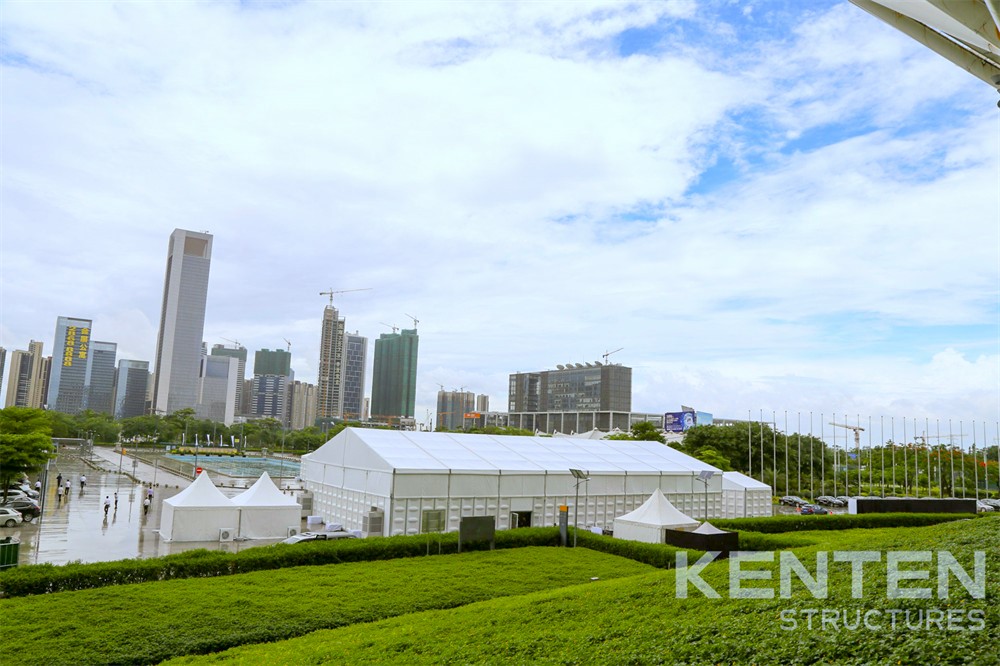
pixel 318 536
pixel 10 517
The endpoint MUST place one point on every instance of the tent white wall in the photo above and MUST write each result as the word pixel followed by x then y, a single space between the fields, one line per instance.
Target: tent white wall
pixel 422 478
pixel 197 513
pixel 648 522
pixel 266 512
pixel 744 497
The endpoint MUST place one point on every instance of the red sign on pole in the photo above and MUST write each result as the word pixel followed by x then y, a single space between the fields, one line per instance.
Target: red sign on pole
pixel 197 470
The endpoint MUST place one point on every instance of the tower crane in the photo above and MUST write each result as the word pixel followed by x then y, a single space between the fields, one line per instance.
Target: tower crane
pixel 289 343
pixel 857 432
pixel 235 342
pixel 609 353
pixel 394 328
pixel 333 291
pixel 415 320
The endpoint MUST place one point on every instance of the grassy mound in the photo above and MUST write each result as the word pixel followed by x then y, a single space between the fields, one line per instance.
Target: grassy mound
pixel 640 619
pixel 149 622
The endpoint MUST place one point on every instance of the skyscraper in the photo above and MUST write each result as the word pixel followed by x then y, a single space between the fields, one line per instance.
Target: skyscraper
pixel 182 321
pixel 355 356
pixel 100 378
pixel 452 406
pixel 68 376
pixel 217 389
pixel 272 377
pixel 131 386
pixel 19 380
pixel 240 354
pixel 39 382
pixel 572 388
pixel 394 376
pixel 330 379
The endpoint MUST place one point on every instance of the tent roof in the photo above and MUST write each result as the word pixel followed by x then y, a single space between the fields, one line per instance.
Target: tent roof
pixel 708 528
pixel 590 434
pixel 739 481
pixel 657 510
pixel 390 450
pixel 201 492
pixel 264 493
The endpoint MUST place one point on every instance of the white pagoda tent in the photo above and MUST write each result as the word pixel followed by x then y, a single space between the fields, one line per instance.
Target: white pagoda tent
pixel 648 522
pixel 200 512
pixel 266 512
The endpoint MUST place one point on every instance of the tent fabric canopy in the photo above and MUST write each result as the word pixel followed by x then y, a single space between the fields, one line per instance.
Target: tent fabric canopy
pixel 201 493
pixel 264 493
pixel 708 528
pixel 197 513
pixel 648 522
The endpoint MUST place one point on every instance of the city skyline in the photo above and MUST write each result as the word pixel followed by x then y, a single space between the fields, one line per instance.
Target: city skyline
pixel 766 206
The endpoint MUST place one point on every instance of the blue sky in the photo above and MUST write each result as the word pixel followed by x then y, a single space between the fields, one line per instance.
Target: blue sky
pixel 769 205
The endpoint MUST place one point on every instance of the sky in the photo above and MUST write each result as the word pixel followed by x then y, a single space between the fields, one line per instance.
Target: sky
pixel 767 207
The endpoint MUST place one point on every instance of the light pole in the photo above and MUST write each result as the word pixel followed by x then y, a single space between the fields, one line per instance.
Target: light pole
pixel 704 477
pixel 580 477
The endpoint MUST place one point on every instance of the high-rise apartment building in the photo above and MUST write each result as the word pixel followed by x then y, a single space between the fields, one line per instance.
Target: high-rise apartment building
pixel 277 362
pixel 394 377
pixel 182 322
pixel 131 388
pixel 330 378
pixel 100 377
pixel 240 354
pixel 71 357
pixel 452 406
pixel 40 368
pixel 272 377
pixel 302 405
pixel 572 388
pixel 355 356
pixel 19 380
pixel 482 403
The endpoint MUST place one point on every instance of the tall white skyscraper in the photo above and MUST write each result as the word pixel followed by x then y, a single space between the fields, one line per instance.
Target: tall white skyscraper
pixel 182 322
pixel 67 381
pixel 330 379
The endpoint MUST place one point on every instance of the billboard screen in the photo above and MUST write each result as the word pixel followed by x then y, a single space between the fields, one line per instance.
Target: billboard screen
pixel 678 421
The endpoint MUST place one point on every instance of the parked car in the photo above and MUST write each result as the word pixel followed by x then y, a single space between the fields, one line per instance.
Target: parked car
pixel 15 493
pixel 27 507
pixel 813 509
pixel 792 500
pixel 983 507
pixel 992 502
pixel 828 500
pixel 318 536
pixel 10 517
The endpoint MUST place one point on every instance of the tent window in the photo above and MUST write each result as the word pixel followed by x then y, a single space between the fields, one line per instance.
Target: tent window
pixel 432 521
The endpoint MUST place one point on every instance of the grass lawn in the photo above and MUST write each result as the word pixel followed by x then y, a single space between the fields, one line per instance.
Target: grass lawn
pixel 640 620
pixel 149 622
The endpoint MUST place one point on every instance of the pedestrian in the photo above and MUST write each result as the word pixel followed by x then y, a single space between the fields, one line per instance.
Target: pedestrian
pixel 68 486
pixel 59 480
pixel 59 494
pixel 149 493
pixel 116 500
pixel 107 504
pixel 83 481
pixel 38 486
pixel 145 506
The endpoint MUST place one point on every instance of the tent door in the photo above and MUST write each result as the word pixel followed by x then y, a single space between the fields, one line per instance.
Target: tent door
pixel 520 519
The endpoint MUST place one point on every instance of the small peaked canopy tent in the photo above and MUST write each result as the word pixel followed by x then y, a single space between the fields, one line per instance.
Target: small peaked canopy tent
pixel 197 513
pixel 266 512
pixel 708 528
pixel 648 522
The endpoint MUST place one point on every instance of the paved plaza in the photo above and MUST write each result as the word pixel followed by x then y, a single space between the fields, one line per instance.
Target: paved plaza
pixel 77 529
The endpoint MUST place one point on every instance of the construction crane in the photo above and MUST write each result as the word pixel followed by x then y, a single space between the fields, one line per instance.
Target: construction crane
pixel 415 320
pixel 857 432
pixel 333 291
pixel 609 353
pixel 289 343
pixel 394 328
pixel 235 342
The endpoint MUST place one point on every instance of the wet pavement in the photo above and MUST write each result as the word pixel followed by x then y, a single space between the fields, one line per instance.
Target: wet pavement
pixel 77 528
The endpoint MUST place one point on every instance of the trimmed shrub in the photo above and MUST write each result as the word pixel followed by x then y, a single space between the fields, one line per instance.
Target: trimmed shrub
pixel 654 554
pixel 837 521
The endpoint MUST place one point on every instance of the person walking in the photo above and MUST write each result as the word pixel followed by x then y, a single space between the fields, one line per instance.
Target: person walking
pixel 107 504
pixel 68 487
pixel 59 480
pixel 83 481
pixel 59 494
pixel 145 506
pixel 116 500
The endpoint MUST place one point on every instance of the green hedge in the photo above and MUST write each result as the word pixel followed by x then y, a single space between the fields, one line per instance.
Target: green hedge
pixel 837 521
pixel 46 578
pixel 655 554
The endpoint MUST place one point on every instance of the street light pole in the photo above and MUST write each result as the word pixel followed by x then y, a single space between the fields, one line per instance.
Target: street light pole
pixel 580 477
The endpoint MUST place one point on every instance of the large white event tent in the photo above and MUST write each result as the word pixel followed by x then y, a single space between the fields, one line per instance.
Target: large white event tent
pixel 197 513
pixel 266 512
pixel 648 522
pixel 744 497
pixel 424 481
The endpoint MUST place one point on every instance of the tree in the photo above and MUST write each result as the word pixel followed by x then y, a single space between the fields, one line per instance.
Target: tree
pixel 25 443
pixel 641 431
